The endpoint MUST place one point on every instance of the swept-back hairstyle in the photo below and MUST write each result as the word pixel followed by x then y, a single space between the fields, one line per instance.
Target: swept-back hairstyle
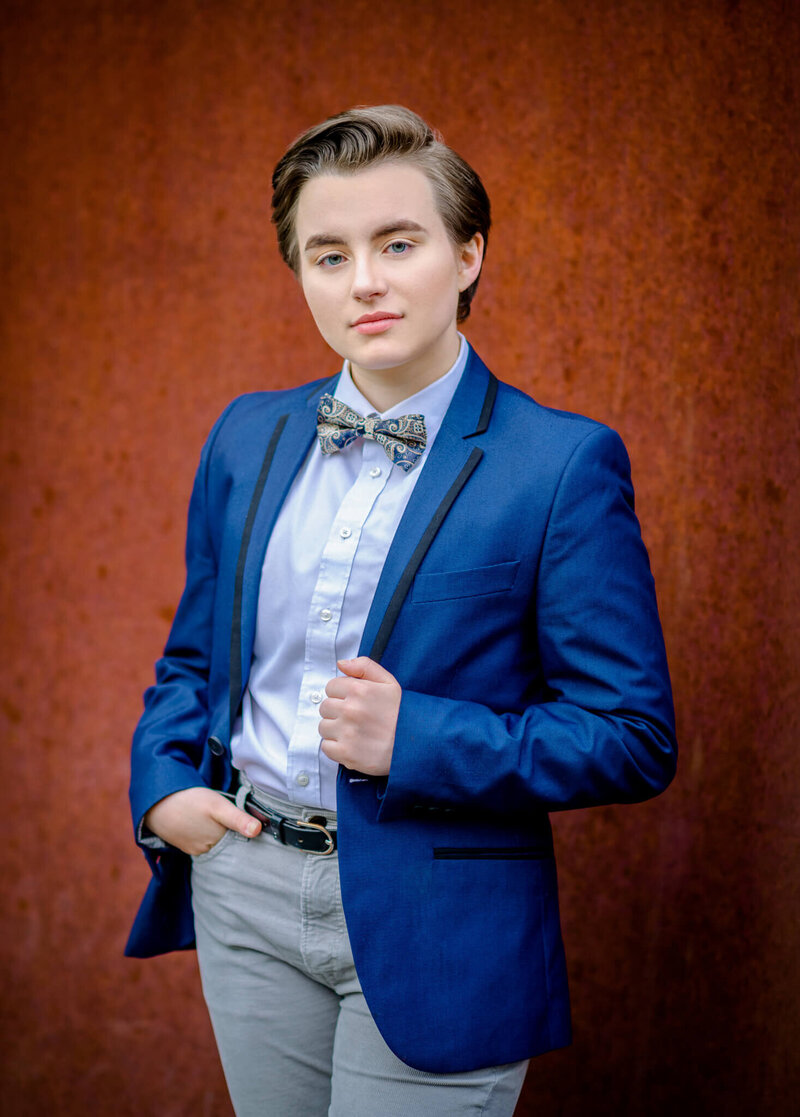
pixel 363 137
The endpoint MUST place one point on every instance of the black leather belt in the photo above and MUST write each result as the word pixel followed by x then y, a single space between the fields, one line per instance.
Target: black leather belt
pixel 311 835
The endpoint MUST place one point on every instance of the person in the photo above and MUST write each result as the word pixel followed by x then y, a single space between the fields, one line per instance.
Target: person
pixel 418 617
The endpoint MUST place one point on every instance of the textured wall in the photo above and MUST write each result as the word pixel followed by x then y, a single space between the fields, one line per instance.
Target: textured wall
pixel 643 160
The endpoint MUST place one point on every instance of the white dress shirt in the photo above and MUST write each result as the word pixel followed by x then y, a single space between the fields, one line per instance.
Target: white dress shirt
pixel 321 568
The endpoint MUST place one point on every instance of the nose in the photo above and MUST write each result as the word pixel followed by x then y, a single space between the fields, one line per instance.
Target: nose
pixel 368 279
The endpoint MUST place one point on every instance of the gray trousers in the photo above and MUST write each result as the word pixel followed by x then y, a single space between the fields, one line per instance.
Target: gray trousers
pixel 293 1030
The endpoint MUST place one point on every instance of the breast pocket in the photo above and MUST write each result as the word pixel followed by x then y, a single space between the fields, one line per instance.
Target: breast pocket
pixel 477 582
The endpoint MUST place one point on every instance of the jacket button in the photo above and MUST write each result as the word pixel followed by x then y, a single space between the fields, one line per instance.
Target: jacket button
pixel 216 746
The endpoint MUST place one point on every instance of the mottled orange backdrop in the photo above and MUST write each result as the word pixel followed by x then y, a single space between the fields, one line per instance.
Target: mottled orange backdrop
pixel 643 158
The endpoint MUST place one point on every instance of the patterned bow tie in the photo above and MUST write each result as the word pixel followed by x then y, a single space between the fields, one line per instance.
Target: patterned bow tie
pixel 338 425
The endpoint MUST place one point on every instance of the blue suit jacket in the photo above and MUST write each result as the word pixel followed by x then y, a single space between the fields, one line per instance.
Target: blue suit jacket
pixel 516 609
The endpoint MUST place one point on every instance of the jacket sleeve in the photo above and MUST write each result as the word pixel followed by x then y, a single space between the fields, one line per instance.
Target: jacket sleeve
pixel 602 727
pixel 171 735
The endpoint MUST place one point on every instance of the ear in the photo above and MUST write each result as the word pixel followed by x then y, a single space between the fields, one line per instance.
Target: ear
pixel 470 260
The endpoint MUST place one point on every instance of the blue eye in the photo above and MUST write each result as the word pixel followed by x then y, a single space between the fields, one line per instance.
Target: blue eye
pixel 331 260
pixel 398 248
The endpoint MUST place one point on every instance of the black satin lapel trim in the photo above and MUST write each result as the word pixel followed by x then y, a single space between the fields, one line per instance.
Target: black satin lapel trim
pixel 236 624
pixel 320 389
pixel 486 410
pixel 406 578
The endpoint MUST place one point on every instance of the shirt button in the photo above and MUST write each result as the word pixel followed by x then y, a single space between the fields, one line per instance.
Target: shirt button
pixel 316 696
pixel 302 779
pixel 325 614
pixel 345 532
pixel 375 471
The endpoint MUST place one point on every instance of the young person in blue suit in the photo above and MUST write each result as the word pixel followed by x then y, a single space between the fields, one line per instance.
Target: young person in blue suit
pixel 418 616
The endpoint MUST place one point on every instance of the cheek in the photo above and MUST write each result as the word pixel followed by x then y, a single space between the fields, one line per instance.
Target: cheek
pixel 318 301
pixel 438 291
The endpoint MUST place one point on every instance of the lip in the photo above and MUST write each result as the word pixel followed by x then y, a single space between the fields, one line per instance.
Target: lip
pixel 375 323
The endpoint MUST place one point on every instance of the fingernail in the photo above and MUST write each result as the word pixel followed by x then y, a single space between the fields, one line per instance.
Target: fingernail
pixel 252 829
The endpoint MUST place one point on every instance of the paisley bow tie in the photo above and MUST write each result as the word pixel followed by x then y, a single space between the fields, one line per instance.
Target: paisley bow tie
pixel 338 425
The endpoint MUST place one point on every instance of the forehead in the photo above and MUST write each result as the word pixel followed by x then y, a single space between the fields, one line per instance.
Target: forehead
pixel 353 203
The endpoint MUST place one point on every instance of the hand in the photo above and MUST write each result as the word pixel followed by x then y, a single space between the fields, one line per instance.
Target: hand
pixel 194 820
pixel 359 716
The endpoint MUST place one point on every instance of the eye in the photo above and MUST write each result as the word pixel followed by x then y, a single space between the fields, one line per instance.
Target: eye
pixel 398 248
pixel 332 260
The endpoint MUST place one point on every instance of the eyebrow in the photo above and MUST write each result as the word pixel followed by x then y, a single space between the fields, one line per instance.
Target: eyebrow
pixel 326 240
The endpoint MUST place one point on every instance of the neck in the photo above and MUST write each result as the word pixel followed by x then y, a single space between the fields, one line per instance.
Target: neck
pixel 385 388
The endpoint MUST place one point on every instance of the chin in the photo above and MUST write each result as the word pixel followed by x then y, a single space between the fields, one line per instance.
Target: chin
pixel 380 361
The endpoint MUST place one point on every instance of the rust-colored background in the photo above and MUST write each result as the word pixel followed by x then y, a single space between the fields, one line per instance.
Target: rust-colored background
pixel 643 159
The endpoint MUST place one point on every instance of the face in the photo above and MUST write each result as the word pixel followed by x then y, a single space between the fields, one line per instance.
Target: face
pixel 381 276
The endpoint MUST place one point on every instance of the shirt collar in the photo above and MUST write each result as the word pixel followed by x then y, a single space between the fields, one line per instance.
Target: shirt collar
pixel 432 401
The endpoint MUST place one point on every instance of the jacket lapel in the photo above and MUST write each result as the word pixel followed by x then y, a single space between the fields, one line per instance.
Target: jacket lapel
pixel 288 445
pixel 452 459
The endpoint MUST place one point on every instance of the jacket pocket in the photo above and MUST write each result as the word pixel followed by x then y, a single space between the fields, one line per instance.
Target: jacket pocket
pixel 492 853
pixel 481 580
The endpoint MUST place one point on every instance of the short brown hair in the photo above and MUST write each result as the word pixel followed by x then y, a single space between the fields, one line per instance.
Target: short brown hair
pixel 361 137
